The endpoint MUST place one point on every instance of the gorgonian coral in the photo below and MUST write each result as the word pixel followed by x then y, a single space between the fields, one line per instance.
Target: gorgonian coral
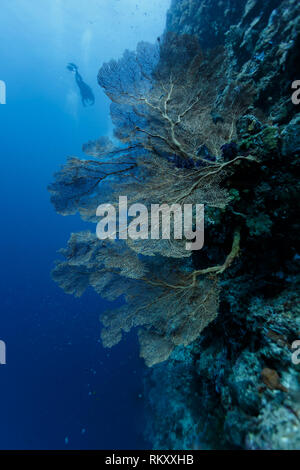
pixel 165 150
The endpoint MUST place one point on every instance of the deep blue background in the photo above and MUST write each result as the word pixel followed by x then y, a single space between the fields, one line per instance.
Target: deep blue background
pixel 60 388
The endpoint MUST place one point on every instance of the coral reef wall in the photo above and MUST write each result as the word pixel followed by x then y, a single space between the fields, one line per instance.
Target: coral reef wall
pixel 261 37
pixel 236 387
pixel 209 20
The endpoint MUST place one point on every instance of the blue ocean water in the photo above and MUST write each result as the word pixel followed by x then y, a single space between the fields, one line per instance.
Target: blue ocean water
pixel 59 388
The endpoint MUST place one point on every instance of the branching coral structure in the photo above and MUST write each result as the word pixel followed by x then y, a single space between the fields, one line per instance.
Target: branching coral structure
pixel 171 145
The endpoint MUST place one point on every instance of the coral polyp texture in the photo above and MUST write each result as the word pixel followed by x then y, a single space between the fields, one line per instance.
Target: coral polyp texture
pixel 204 116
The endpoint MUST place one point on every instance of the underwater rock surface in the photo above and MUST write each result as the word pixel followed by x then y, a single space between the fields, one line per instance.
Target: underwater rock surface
pixel 236 387
pixel 216 394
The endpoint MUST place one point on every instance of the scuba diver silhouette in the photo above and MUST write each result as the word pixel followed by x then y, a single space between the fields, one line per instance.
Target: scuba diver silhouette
pixel 87 96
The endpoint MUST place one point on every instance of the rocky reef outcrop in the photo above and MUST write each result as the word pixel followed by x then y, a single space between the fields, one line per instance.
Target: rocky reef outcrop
pixel 262 39
pixel 237 387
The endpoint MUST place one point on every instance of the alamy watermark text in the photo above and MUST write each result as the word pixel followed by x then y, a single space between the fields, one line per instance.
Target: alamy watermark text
pixel 163 222
pixel 2 92
pixel 2 352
